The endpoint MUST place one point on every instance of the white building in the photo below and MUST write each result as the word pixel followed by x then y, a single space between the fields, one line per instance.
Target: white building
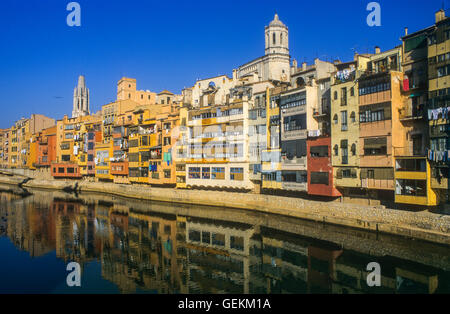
pixel 275 64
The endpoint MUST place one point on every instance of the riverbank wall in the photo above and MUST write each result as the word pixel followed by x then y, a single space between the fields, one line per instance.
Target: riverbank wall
pixel 420 225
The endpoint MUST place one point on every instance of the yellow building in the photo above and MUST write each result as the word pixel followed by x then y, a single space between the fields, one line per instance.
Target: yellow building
pixel 103 155
pixel 144 144
pixel 181 149
pixel 345 144
pixel 21 134
pixel 111 111
pixel 438 103
pixel 271 158
pixel 126 90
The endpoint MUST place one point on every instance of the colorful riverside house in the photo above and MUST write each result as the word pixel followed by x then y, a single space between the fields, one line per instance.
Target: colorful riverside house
pixel 439 105
pixel 345 145
pixel 46 148
pixel 4 147
pixel 180 147
pixel 69 148
pixel 271 157
pixel 86 137
pixel 103 155
pixel 168 121
pixel 119 161
pixel 313 83
pixel 381 135
pixel 22 132
pixel 412 170
pixel 144 144
pixel 218 137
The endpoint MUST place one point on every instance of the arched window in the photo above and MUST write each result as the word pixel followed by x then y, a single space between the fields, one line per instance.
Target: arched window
pixel 274 38
pixel 353 117
pixel 353 149
pixel 212 85
pixel 281 38
pixel 335 95
pixel 335 119
pixel 336 150
pixel 300 82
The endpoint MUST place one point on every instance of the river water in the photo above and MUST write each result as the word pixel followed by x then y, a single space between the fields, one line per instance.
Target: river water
pixel 129 246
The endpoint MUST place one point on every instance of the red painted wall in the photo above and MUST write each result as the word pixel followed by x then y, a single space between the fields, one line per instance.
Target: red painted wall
pixel 321 164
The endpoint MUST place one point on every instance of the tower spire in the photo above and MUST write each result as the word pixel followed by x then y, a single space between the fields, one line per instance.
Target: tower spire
pixel 80 99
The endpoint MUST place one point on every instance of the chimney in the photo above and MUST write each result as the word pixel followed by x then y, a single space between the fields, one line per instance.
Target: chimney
pixel 440 16
pixel 304 64
pixel 377 50
pixel 406 31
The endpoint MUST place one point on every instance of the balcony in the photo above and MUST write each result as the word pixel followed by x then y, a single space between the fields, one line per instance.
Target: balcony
pixel 295 186
pixel 377 184
pixel 321 112
pixel 411 113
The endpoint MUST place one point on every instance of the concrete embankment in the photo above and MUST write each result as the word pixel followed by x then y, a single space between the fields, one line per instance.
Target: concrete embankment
pixel 421 225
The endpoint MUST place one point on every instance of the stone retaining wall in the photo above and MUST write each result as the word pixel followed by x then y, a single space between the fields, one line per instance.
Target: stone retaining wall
pixel 421 225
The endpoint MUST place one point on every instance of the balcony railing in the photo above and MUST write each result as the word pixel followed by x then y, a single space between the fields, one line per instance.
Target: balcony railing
pixel 408 113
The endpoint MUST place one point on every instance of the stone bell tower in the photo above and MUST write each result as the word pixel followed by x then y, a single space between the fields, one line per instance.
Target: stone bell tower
pixel 80 99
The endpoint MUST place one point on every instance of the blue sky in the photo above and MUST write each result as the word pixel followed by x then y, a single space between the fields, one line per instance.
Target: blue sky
pixel 169 44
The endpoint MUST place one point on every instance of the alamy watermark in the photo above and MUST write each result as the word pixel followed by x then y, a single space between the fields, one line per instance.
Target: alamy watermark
pixel 74 277
pixel 74 17
pixel 374 18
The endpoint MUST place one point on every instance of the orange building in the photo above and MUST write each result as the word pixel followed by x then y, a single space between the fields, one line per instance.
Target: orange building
pixel 382 135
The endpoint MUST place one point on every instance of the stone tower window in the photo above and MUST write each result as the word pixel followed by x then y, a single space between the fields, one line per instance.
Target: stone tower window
pixel 281 39
pixel 274 38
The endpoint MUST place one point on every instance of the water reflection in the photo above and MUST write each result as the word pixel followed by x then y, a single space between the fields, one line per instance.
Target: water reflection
pixel 150 247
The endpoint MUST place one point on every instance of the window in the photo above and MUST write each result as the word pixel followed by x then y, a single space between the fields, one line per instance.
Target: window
pixel 336 150
pixel 90 146
pixel 352 91
pixel 344 126
pixel 206 237
pixel 353 117
pixel 319 151
pixel 70 170
pixel 353 149
pixel 319 178
pixel 335 95
pixel 411 187
pixel 194 235
pixel 218 173
pixel 237 243
pixel 375 146
pixel 294 123
pixel 194 173
pixel 218 239
pixel 237 174
pixel 206 173
pixel 133 157
pixel 167 173
pixel 344 151
pixel 374 113
pixel 166 141
pixel 60 170
pixel 344 96
pixel 414 165
pixel 335 119
pixel 274 38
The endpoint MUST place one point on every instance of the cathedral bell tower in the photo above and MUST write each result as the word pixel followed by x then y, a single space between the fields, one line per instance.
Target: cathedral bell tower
pixel 277 37
pixel 80 99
